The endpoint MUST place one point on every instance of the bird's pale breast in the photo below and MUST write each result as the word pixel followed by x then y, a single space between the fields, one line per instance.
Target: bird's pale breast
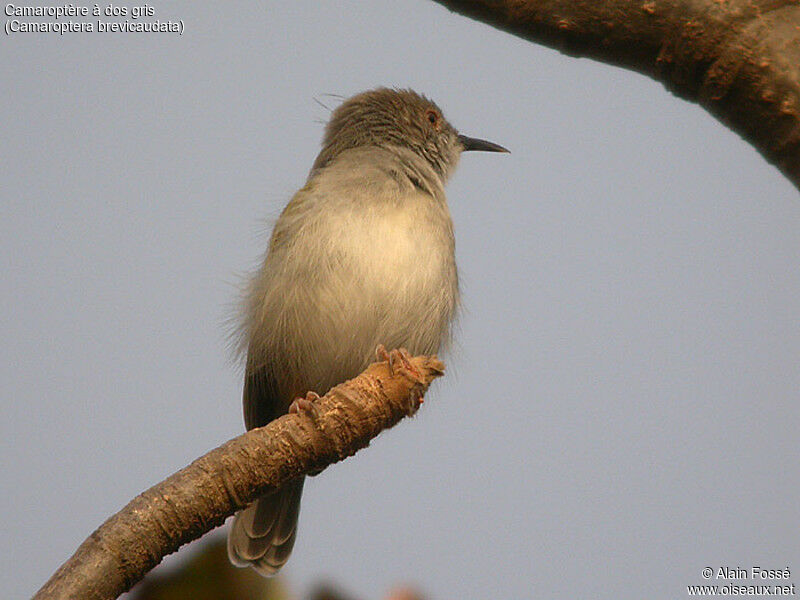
pixel 351 273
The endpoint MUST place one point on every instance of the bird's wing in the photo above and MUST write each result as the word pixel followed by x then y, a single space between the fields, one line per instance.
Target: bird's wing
pixel 263 401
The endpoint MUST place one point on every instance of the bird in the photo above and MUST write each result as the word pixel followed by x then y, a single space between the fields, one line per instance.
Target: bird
pixel 361 258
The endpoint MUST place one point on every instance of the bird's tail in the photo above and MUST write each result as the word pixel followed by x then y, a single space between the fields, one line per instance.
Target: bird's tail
pixel 263 534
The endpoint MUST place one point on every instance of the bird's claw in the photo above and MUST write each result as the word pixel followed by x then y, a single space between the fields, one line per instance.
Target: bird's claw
pixel 399 361
pixel 305 405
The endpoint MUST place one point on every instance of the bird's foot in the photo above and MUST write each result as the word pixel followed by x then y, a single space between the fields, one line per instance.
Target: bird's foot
pixel 399 362
pixel 305 405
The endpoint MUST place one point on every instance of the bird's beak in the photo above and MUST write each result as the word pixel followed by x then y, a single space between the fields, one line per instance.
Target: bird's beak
pixel 469 143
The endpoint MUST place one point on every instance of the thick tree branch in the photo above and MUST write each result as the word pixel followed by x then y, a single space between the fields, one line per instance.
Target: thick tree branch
pixel 199 497
pixel 740 59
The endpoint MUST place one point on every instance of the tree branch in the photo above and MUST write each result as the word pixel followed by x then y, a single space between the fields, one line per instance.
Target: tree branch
pixel 739 59
pixel 201 496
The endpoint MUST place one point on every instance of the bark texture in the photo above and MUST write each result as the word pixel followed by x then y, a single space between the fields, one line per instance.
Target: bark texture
pixel 740 59
pixel 199 497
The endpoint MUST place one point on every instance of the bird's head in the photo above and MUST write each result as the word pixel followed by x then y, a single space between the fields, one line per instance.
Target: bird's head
pixel 386 117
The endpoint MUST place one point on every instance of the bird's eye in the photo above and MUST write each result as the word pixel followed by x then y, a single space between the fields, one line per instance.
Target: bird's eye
pixel 433 118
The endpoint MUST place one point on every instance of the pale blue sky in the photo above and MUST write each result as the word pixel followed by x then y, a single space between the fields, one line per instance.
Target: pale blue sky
pixel 620 410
